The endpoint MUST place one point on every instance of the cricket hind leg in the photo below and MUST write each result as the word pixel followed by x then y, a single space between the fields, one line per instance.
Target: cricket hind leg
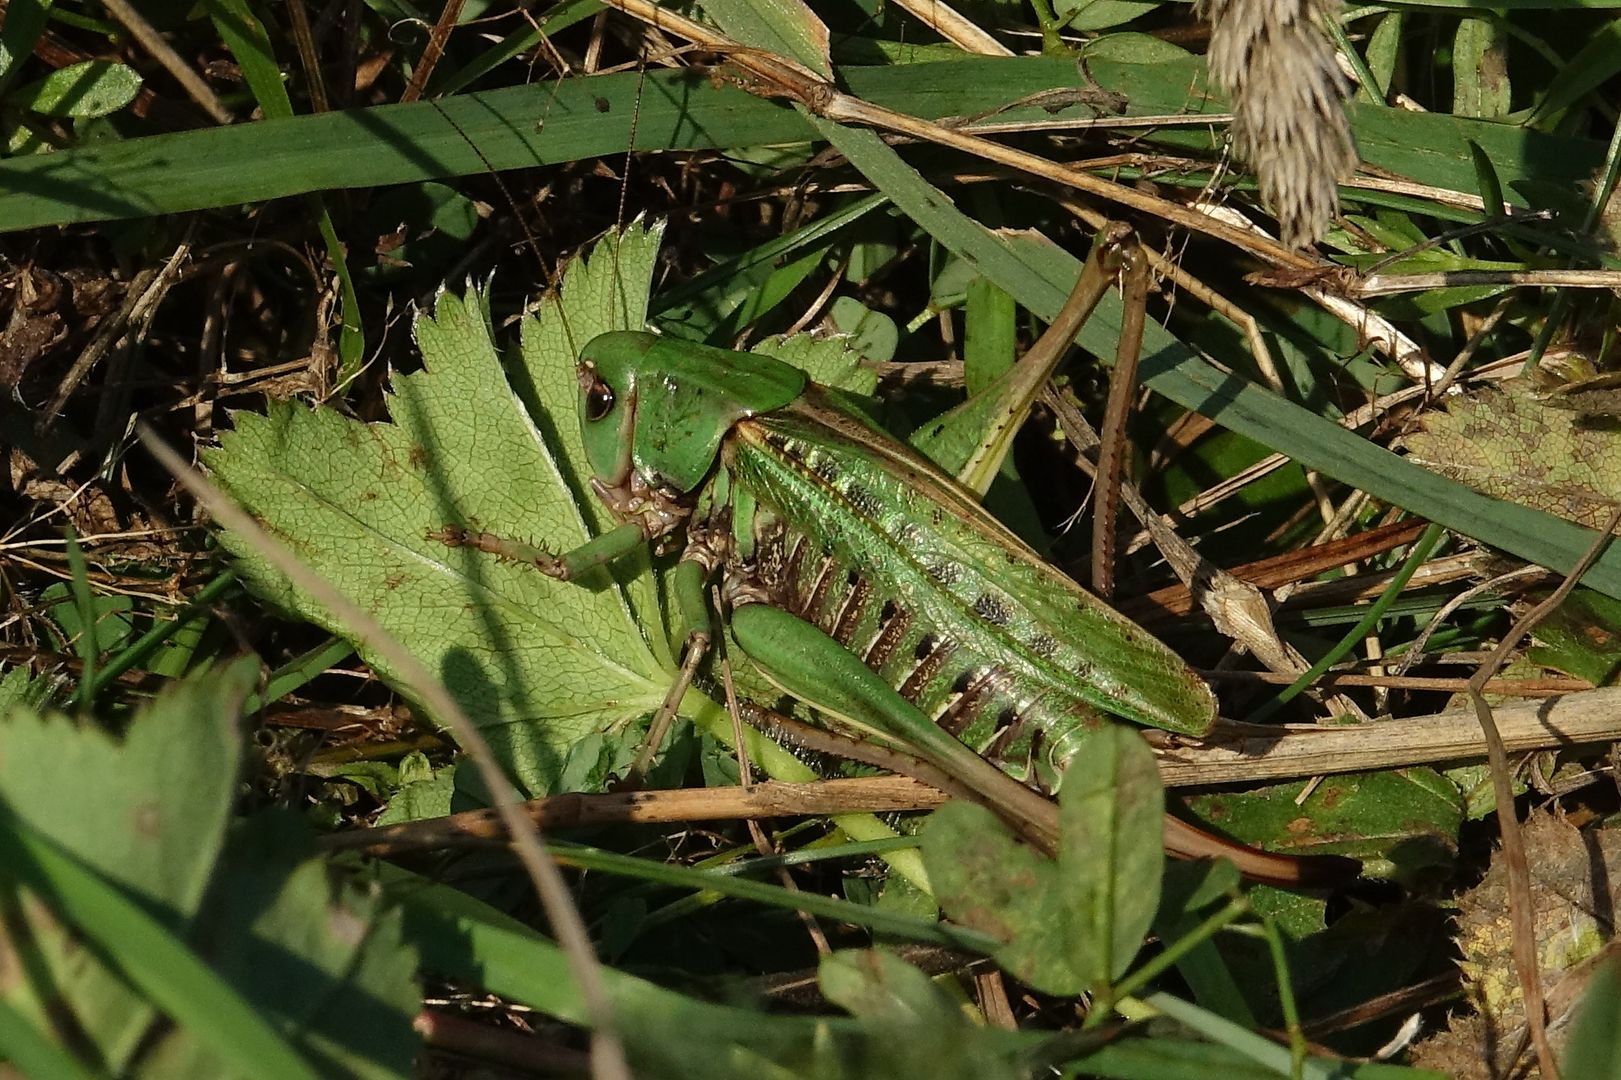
pixel 807 663
pixel 815 668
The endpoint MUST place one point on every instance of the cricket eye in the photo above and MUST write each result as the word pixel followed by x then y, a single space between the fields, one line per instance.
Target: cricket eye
pixel 599 400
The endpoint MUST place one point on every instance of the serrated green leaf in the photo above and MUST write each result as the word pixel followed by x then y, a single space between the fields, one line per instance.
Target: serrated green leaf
pixel 537 664
pixel 20 687
pixel 827 360
pixel 421 799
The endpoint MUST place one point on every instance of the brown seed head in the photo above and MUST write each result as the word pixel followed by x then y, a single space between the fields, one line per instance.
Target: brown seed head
pixel 1273 57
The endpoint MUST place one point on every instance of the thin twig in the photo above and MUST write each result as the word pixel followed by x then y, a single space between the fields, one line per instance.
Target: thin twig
pixel 1521 916
pixel 304 41
pixel 769 799
pixel 1507 687
pixel 1233 752
pixel 1391 284
pixel 449 15
pixel 160 50
pixel 145 290
pixel 954 27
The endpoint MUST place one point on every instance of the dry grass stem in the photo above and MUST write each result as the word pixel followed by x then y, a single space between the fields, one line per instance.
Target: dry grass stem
pixel 770 799
pixel 1113 436
pixel 1235 752
pixel 954 27
pixel 158 47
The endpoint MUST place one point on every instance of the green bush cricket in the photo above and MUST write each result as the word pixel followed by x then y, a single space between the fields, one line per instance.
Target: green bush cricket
pixel 864 580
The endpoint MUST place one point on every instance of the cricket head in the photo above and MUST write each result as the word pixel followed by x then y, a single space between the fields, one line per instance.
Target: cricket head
pixel 657 410
pixel 608 370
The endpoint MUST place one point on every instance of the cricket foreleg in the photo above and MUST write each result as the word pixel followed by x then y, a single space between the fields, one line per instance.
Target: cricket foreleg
pixel 598 551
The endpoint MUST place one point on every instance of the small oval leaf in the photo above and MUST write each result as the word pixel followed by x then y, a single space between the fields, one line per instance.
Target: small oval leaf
pixel 1110 859
pixel 92 88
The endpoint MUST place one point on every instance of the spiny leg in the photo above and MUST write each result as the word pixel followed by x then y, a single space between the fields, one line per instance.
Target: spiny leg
pixel 745 770
pixel 688 589
pixel 693 653
pixel 598 551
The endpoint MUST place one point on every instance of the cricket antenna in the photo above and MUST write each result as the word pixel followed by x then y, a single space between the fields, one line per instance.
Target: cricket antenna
pixel 530 240
pixel 625 305
pixel 551 274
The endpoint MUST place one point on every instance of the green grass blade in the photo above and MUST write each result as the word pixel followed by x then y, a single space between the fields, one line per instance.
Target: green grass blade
pixel 27 1049
pixel 142 648
pixel 1596 63
pixel 85 644
pixel 591 116
pixel 1256 1047
pixel 250 44
pixel 827 907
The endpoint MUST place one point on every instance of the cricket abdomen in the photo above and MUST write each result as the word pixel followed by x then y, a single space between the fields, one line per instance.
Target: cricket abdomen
pixel 893 516
pixel 832 546
pixel 966 688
